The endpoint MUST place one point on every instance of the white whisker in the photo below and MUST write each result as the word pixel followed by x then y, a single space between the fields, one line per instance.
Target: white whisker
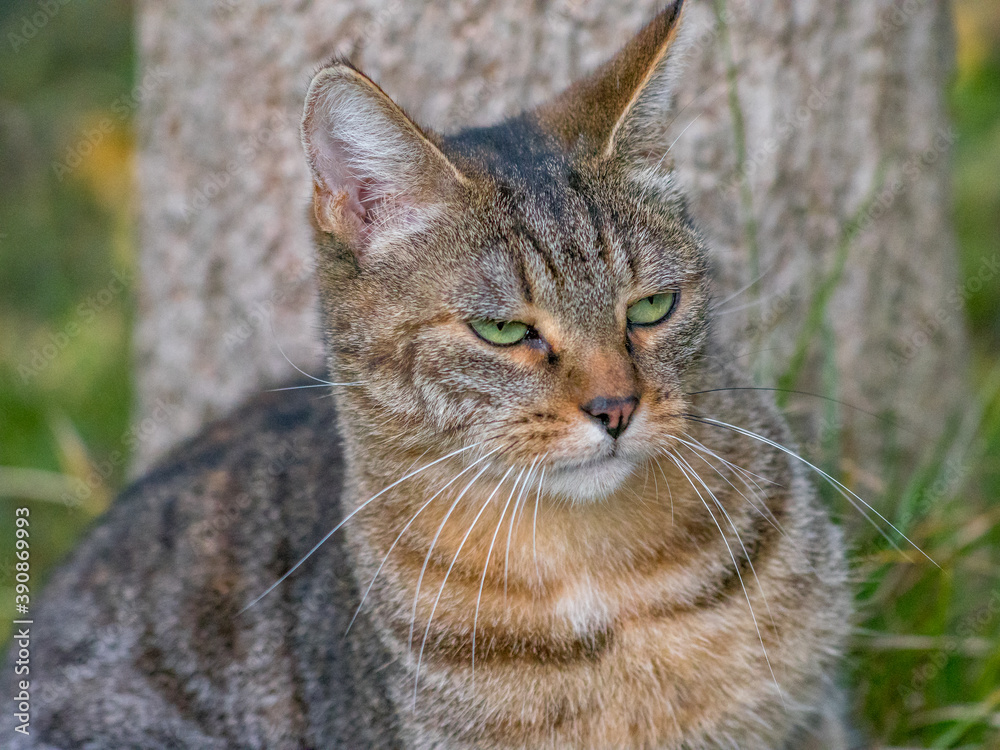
pixel 745 306
pixel 486 565
pixel 430 619
pixel 353 513
pixel 845 491
pixel 736 531
pixel 670 493
pixel 297 368
pixel 695 119
pixel 523 504
pixel 430 552
pixel 700 448
pixel 719 305
pixel 513 514
pixel 736 567
pixel 534 526
pixel 312 385
pixel 418 459
pixel 433 497
pixel 738 469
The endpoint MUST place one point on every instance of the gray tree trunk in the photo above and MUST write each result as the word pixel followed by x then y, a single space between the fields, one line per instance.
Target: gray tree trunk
pixel 812 136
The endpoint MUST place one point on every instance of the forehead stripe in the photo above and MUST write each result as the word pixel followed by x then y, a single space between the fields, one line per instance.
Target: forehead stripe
pixel 522 229
pixel 522 276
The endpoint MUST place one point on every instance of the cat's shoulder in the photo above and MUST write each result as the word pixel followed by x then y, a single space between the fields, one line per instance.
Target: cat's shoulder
pixel 245 494
pixel 264 432
pixel 151 609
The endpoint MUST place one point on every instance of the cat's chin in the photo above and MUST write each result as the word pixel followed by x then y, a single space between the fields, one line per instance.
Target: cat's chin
pixel 589 482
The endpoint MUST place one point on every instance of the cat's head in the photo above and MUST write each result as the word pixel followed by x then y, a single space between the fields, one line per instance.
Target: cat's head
pixel 535 285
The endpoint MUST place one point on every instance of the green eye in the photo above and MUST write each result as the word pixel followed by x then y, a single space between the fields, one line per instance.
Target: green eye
pixel 500 332
pixel 652 309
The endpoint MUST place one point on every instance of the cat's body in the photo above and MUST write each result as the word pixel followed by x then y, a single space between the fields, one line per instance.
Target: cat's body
pixel 142 645
pixel 569 549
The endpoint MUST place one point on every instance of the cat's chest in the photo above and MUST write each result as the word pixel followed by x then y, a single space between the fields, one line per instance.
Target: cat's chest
pixel 588 635
pixel 584 607
pixel 602 677
pixel 600 659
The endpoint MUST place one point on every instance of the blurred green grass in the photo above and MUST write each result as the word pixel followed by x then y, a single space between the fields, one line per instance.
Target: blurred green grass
pixel 926 657
pixel 65 387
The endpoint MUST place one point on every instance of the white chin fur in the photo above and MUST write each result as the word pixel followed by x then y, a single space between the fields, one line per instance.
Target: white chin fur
pixel 593 481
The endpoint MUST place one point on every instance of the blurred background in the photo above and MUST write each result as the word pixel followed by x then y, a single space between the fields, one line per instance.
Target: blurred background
pixel 926 653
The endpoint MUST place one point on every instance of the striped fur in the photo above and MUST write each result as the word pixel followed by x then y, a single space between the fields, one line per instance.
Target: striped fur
pixel 451 553
pixel 619 614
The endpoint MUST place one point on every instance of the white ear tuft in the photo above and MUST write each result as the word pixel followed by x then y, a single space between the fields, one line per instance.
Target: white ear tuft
pixel 372 166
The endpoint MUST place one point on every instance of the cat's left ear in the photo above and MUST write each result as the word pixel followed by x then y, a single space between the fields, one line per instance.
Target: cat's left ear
pixel 622 108
pixel 375 172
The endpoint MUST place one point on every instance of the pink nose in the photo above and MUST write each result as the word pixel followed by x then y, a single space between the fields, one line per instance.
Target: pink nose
pixel 613 413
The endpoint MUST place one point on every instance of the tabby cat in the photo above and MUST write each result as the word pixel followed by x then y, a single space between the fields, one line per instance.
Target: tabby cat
pixel 534 513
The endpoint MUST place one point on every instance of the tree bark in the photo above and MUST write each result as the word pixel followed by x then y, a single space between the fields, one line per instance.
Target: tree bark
pixel 812 137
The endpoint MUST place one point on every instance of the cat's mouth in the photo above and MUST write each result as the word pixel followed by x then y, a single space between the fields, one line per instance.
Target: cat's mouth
pixel 590 480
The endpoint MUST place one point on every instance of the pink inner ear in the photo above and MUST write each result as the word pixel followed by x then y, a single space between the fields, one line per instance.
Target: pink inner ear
pixel 331 165
pixel 368 197
pixel 370 206
pixel 365 199
pixel 369 163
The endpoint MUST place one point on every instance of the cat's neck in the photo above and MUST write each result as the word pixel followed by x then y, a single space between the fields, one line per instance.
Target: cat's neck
pixel 580 596
pixel 542 582
pixel 446 508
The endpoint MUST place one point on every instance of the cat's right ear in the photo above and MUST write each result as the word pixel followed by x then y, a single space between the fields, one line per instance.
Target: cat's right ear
pixel 622 108
pixel 375 173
